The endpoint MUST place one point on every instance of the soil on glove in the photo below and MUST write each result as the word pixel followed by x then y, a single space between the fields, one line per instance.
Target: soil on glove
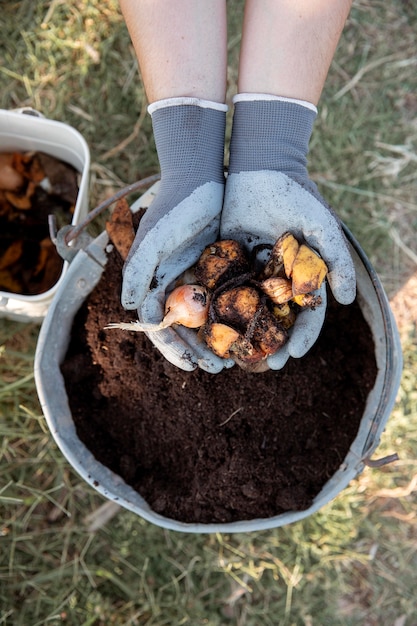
pixel 222 447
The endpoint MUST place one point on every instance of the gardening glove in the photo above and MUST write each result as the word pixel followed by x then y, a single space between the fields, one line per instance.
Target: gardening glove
pixel 268 192
pixel 181 221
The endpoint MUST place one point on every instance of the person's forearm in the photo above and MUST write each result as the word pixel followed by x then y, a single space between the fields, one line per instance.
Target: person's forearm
pixel 181 46
pixel 288 46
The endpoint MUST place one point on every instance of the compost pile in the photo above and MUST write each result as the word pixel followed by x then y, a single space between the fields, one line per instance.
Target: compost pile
pixel 215 448
pixel 33 185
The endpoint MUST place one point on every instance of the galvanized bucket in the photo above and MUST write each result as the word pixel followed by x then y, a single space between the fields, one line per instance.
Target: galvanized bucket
pixel 84 274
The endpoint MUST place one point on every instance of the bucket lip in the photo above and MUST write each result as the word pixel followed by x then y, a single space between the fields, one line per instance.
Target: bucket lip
pixel 30 120
pixel 39 118
pixel 344 474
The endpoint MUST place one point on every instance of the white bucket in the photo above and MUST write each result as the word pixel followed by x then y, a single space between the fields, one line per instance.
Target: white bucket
pixel 26 130
pixel 84 274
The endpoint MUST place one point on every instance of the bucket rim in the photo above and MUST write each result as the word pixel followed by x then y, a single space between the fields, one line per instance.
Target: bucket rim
pixel 347 472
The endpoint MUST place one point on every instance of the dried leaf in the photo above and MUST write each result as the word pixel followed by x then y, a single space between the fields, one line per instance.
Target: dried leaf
pixel 63 177
pixel 19 201
pixel 36 172
pixel 120 228
pixel 4 204
pixel 48 266
pixel 12 254
pixel 29 166
pixel 9 282
pixel 45 248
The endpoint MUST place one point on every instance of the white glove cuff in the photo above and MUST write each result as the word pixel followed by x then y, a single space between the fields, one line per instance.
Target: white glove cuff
pixel 171 102
pixel 250 97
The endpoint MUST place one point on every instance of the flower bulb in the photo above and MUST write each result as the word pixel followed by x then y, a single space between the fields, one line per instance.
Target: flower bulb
pixel 187 305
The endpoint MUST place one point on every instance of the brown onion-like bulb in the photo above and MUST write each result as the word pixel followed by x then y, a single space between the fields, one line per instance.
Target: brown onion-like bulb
pixel 187 305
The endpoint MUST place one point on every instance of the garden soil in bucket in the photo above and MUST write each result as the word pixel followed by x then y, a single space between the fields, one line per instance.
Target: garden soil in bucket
pixel 216 448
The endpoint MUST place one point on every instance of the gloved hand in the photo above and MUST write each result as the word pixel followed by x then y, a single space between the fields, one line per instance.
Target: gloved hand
pixel 181 221
pixel 268 192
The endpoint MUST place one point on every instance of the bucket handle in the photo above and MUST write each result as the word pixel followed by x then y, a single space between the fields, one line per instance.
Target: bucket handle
pixel 390 458
pixel 28 111
pixel 70 239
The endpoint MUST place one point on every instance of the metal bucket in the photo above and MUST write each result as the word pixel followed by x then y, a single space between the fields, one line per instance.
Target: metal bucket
pixel 83 275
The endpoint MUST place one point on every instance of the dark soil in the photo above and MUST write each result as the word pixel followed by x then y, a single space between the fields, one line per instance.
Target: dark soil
pixel 216 448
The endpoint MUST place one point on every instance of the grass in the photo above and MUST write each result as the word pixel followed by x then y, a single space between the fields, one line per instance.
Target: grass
pixel 355 561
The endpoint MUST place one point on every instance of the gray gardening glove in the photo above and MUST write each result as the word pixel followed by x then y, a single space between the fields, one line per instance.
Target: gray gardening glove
pixel 182 220
pixel 268 192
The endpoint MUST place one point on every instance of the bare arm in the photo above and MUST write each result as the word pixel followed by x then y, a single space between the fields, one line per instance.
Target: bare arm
pixel 180 46
pixel 288 45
